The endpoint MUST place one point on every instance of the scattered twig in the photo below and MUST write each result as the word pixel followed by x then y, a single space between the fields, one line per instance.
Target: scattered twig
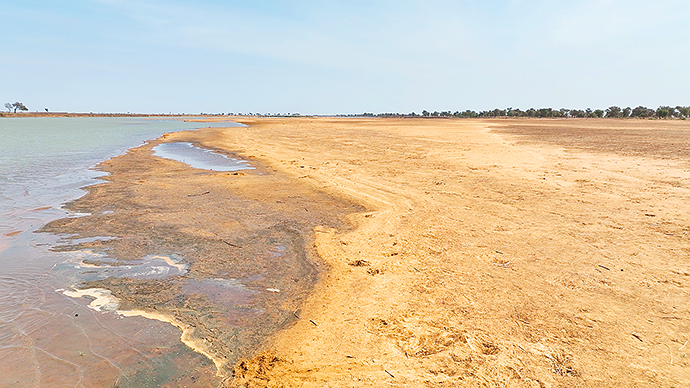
pixel 637 336
pixel 389 373
pixel 231 244
pixel 200 194
pixel 359 263
pixel 606 268
pixel 295 314
pixel 681 348
pixel 313 322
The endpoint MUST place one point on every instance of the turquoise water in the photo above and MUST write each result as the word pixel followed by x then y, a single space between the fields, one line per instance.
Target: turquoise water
pixel 47 338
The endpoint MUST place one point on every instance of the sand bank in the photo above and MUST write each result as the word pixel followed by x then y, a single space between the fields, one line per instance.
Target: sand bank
pixel 489 254
pixel 478 253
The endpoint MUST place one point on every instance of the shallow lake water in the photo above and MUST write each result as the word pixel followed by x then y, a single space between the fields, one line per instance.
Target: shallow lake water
pixel 47 337
pixel 200 158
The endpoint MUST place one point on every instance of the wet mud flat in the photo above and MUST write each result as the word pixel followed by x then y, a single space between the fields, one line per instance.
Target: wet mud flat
pixel 227 257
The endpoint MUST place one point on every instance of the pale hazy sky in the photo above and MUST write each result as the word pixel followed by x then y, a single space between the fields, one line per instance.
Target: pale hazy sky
pixel 326 57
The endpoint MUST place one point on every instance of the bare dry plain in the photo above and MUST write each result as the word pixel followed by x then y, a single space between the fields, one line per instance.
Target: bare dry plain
pixel 492 253
pixel 498 253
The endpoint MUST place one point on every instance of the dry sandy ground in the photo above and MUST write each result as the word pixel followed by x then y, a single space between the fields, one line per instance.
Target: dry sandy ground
pixel 487 256
pixel 526 253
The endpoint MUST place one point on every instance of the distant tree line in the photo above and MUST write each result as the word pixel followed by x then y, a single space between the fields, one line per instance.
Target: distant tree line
pixel 662 112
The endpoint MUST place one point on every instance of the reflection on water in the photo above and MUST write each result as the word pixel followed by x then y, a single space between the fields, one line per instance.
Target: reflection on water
pixel 199 158
pixel 48 338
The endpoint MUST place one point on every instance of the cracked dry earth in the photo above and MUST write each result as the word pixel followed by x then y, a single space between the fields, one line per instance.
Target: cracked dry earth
pixel 526 253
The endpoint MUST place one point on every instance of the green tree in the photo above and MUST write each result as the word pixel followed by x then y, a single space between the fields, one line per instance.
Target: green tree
pixel 642 112
pixel 598 113
pixel 614 112
pixel 664 112
pixel 577 113
pixel 545 112
pixel 683 111
pixel 9 106
pixel 498 112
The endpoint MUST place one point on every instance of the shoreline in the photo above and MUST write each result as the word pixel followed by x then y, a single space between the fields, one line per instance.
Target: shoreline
pixel 46 164
pixel 103 301
pixel 255 299
pixel 477 256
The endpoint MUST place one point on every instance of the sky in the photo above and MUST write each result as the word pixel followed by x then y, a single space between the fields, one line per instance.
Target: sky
pixel 338 57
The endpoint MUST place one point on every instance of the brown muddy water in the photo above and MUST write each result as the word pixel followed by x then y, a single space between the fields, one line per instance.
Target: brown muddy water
pixel 215 260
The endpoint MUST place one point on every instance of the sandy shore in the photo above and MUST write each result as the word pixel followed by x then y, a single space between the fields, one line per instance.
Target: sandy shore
pixel 488 256
pixel 243 241
pixel 479 253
